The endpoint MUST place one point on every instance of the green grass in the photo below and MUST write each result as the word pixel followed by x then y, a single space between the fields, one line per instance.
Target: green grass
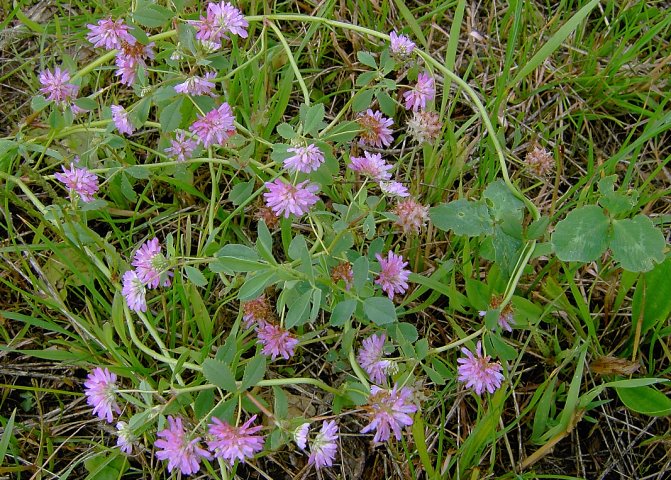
pixel 588 81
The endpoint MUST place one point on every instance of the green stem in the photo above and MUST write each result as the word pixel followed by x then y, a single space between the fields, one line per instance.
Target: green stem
pixel 458 343
pixel 292 61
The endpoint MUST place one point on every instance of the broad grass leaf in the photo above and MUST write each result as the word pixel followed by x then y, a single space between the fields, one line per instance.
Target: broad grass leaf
pixel 241 192
pixel 7 435
pixel 463 217
pixel 256 284
pixel 362 100
pixel 652 297
pixel 235 258
pixel 199 309
pixel 554 42
pixel 582 236
pixel 637 245
pixel 343 132
pixel 360 272
pixel 645 400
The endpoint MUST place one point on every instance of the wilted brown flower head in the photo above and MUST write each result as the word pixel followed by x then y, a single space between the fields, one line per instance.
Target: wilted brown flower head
pixel 425 126
pixel 540 161
pixel 343 271
pixel 412 216
pixel 266 214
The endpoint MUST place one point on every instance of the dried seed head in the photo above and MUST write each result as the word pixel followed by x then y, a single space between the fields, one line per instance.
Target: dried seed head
pixel 540 161
pixel 343 271
pixel 412 216
pixel 266 214
pixel 425 126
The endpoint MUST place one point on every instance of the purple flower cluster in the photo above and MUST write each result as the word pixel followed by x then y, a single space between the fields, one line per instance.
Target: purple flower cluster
pixel 80 181
pixel 197 85
pixel 231 443
pixel 478 372
pixel 323 447
pixel 393 277
pixel 181 452
pixel 220 19
pixel 412 216
pixel 285 198
pixel 423 91
pixel 121 120
pixel 400 45
pixel 372 165
pixel 389 412
pixel 227 442
pixel 370 358
pixel 306 159
pixel 181 147
pixel 376 129
pixel 276 341
pixel 100 390
pixel 131 55
pixel 151 271
pixel 56 86
pixel 215 127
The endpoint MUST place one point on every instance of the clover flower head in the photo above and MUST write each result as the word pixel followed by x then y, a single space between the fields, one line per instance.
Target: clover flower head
pixel 394 189
pixel 134 291
pixel 370 358
pixel 301 435
pixel 197 85
pixel 393 277
pixel 284 198
pixel 412 215
pixel 389 412
pixel 324 446
pixel 372 165
pixel 181 453
pixel 400 45
pixel 423 91
pixel 151 266
pixel 80 181
pixel 376 129
pixel 256 311
pixel 306 159
pixel 56 86
pixel 215 127
pixel 478 372
pixel 181 147
pixel 121 120
pixel 125 438
pixel 220 19
pixel 276 341
pixel 109 34
pixel 425 126
pixel 100 391
pixel 343 271
pixel 231 443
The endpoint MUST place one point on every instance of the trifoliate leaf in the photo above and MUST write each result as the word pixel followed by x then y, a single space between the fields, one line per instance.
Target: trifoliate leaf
pixel 582 236
pixel 637 244
pixel 463 217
